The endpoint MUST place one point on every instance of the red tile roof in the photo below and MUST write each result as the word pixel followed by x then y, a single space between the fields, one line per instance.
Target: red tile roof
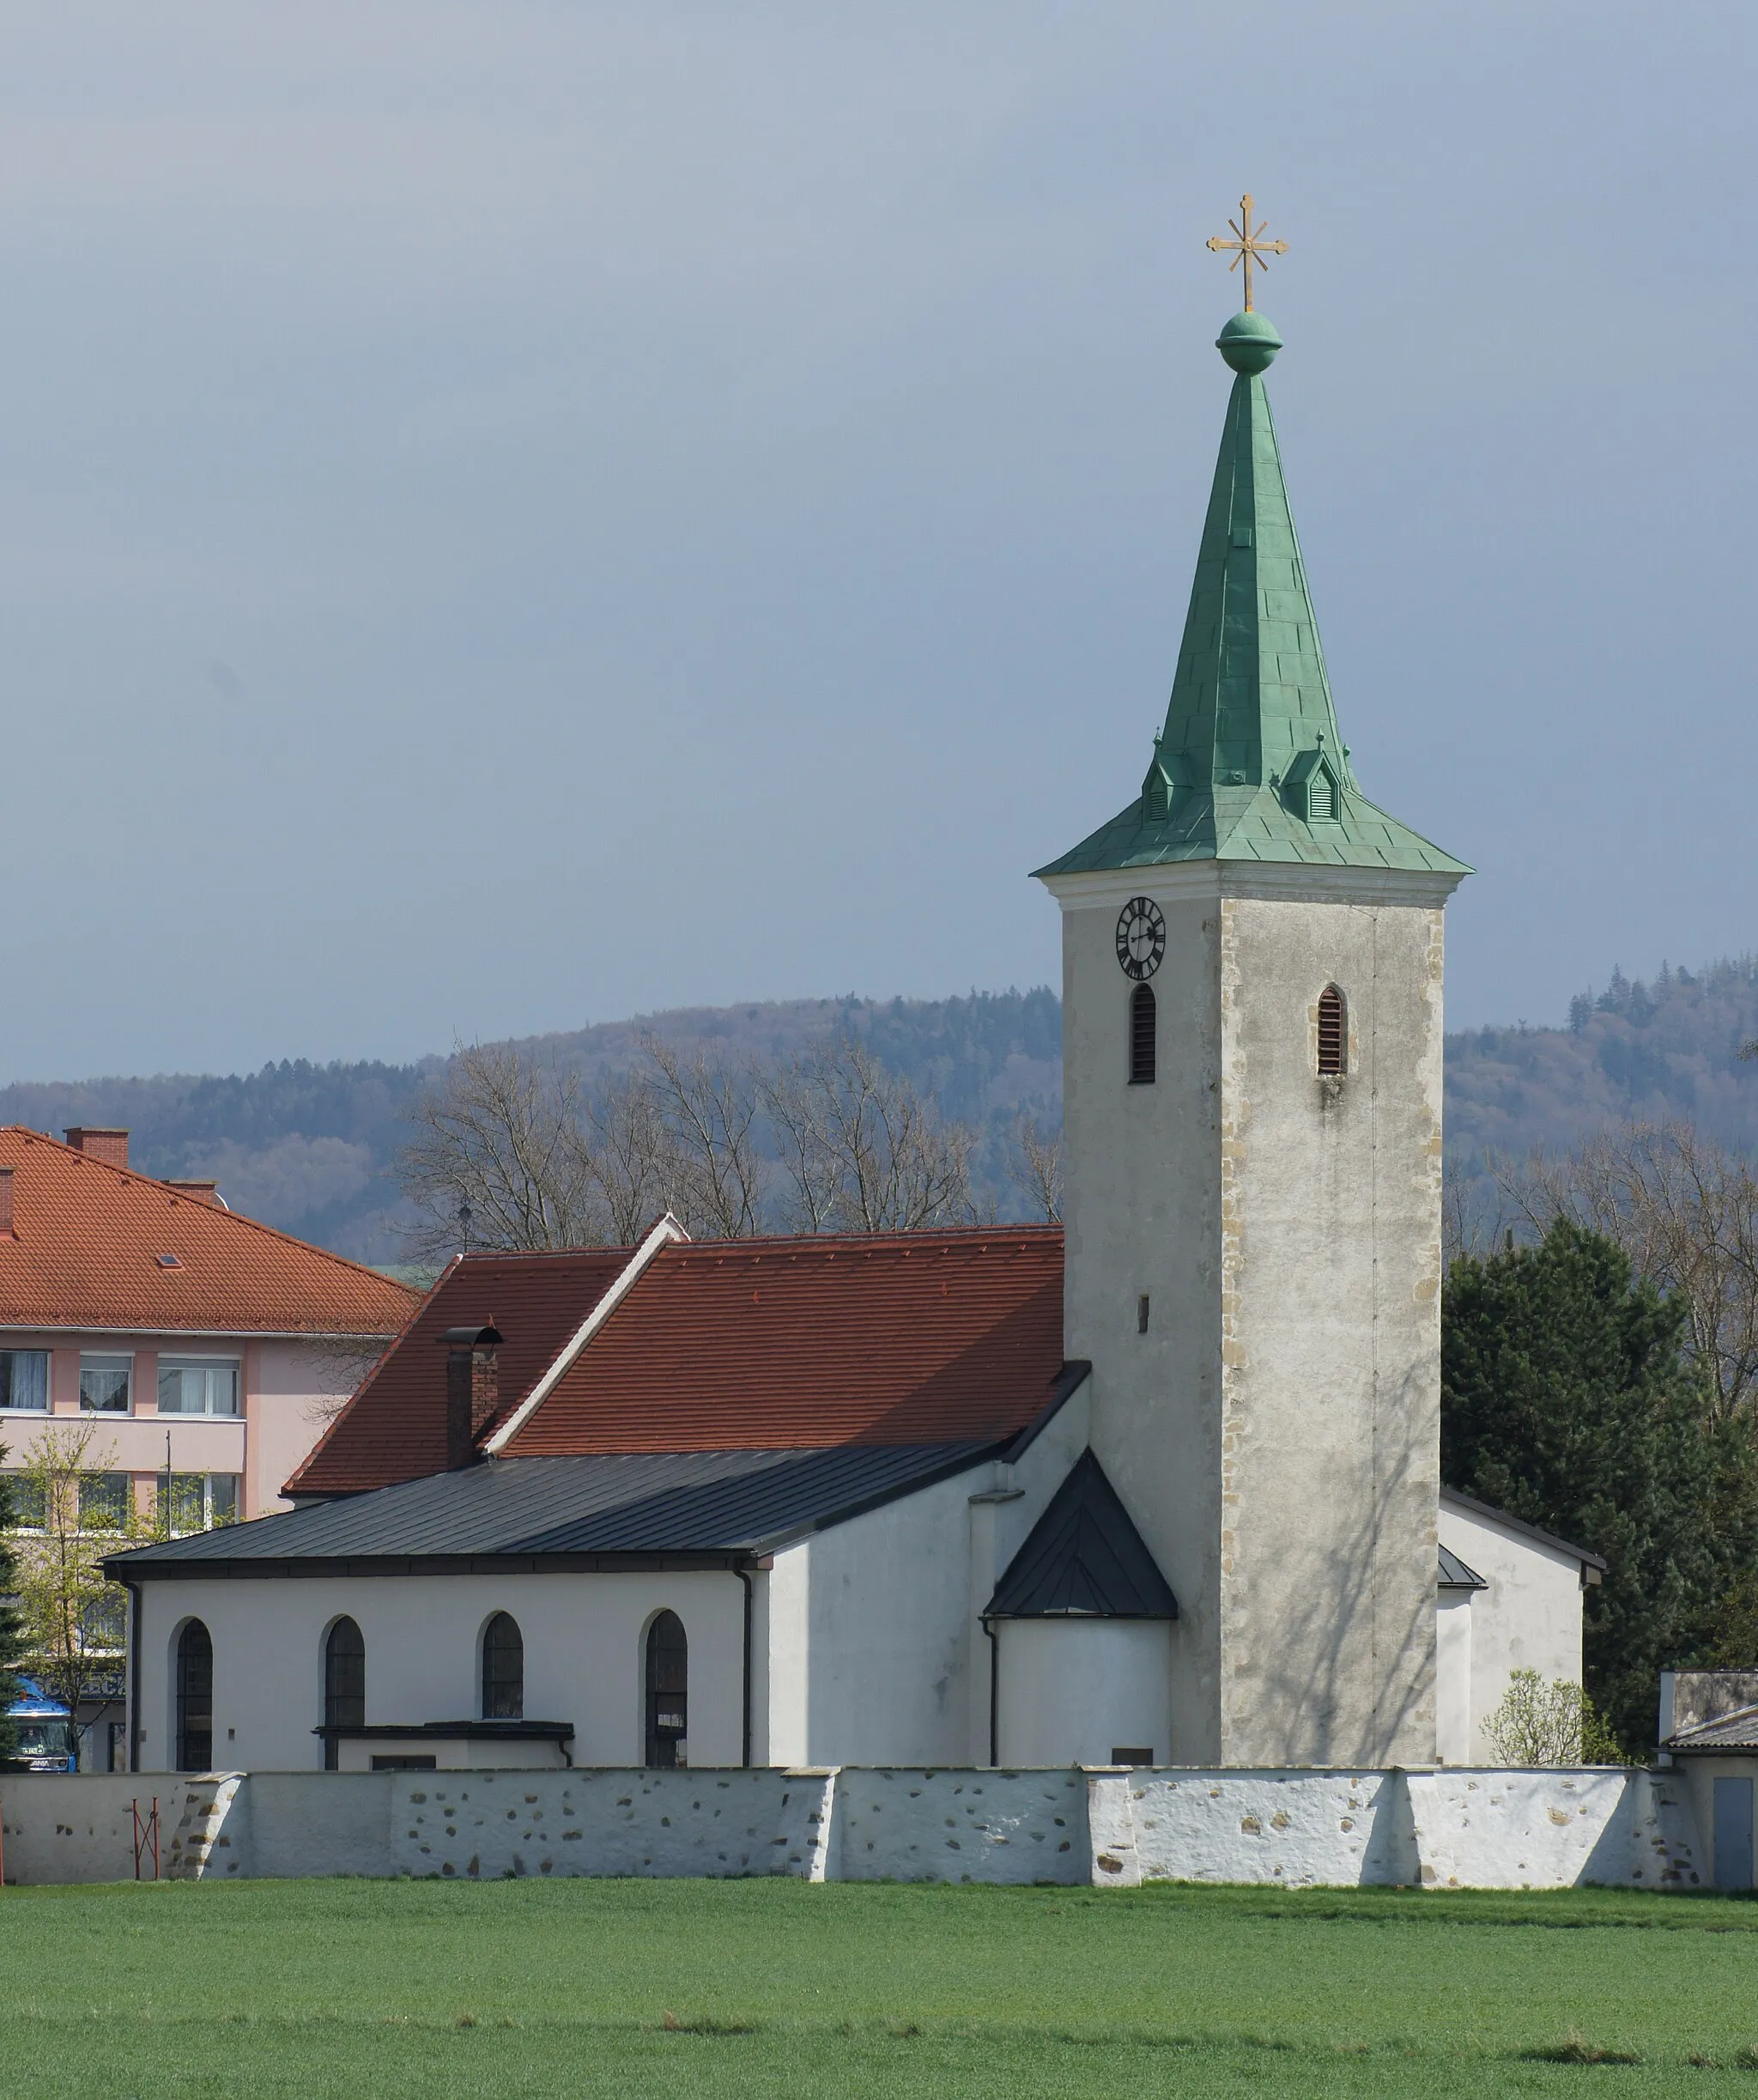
pixel 86 1252
pixel 394 1428
pixel 772 1344
pixel 723 1346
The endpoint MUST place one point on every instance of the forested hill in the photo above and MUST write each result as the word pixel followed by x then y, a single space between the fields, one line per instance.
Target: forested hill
pixel 313 1148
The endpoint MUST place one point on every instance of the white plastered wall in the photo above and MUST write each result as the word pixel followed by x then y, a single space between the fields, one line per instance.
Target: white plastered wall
pixel 1080 1691
pixel 1274 1433
pixel 1455 1735
pixel 584 1657
pixel 1529 1618
pixel 875 1652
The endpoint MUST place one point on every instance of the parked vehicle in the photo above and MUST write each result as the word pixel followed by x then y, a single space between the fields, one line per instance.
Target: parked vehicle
pixel 46 1742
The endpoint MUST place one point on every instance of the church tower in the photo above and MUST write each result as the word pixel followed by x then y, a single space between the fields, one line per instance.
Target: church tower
pixel 1251 1018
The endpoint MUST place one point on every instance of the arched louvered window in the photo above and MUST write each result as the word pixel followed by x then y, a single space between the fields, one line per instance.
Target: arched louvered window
pixel 1333 1032
pixel 503 1669
pixel 668 1692
pixel 1143 1025
pixel 344 1685
pixel 195 1698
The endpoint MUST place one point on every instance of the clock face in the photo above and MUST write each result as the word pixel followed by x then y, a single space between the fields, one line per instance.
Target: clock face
pixel 1141 938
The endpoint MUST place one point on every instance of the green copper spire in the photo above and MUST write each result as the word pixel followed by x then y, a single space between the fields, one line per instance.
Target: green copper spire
pixel 1250 765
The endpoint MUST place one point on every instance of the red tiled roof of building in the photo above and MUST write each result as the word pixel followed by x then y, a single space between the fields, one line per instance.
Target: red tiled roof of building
pixel 776 1345
pixel 394 1428
pixel 89 1241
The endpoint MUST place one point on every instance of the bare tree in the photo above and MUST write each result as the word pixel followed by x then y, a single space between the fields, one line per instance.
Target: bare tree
pixel 860 1149
pixel 630 1149
pixel 1685 1209
pixel 499 1157
pixel 511 1154
pixel 710 1112
pixel 1474 1211
pixel 1035 1165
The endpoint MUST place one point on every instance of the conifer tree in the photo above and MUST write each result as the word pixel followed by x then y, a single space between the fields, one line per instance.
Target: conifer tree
pixel 1567 1401
pixel 11 1626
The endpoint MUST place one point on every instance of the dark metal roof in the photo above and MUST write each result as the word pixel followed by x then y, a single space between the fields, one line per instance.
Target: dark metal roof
pixel 1454 1574
pixel 1735 1731
pixel 1519 1524
pixel 1083 1558
pixel 728 1503
pixel 447 1731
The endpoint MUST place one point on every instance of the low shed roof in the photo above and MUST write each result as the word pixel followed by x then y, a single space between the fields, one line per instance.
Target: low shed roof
pixel 723 1505
pixel 1083 1559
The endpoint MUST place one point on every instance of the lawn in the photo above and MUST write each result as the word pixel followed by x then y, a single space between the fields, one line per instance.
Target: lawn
pixel 767 1988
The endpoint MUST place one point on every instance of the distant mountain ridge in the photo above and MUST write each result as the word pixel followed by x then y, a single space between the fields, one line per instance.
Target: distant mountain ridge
pixel 313 1148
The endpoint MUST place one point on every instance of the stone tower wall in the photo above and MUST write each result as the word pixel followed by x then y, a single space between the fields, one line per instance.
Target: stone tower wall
pixel 1275 1432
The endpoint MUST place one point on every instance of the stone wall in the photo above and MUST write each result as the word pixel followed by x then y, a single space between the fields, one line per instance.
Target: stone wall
pixel 960 1826
pixel 1447 1828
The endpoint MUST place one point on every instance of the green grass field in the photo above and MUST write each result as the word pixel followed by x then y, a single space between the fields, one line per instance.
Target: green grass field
pixel 776 1988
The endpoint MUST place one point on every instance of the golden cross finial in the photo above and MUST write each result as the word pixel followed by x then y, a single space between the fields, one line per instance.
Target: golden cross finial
pixel 1246 246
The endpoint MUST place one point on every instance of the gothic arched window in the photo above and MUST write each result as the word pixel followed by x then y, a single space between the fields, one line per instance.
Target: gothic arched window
pixel 195 1698
pixel 503 1669
pixel 1333 1032
pixel 344 1685
pixel 1143 1023
pixel 668 1692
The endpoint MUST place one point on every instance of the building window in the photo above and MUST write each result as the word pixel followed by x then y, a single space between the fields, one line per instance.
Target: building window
pixel 103 1624
pixel 103 1384
pixel 1333 1032
pixel 201 1502
pixel 668 1692
pixel 24 1380
pixel 26 1497
pixel 195 1699
pixel 105 1501
pixel 1144 1020
pixel 195 1387
pixel 503 1670
pixel 344 1685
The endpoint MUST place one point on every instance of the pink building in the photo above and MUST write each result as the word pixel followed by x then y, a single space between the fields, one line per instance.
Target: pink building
pixel 192 1341
pixel 152 1310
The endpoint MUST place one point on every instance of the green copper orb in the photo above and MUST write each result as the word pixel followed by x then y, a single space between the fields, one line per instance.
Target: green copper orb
pixel 1249 343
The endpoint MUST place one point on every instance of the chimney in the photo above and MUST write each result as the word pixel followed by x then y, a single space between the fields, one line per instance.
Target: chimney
pixel 197 1191
pixel 6 1201
pixel 109 1146
pixel 471 1388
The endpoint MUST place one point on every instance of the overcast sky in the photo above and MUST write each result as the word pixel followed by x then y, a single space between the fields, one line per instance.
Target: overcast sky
pixel 514 514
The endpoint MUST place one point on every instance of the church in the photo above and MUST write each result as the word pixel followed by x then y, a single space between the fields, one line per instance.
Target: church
pixel 1157 1486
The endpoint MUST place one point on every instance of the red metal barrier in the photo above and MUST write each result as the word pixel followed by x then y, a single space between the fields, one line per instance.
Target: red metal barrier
pixel 146 1837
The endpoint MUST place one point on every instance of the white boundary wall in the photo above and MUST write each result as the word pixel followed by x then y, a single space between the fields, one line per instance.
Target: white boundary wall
pixel 1448 1828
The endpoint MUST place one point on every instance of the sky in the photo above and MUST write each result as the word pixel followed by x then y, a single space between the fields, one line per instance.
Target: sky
pixel 517 513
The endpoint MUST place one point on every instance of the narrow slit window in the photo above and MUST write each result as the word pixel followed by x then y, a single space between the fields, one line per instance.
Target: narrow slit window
pixel 1144 1020
pixel 1332 1033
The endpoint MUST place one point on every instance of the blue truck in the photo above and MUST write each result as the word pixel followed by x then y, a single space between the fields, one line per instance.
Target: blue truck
pixel 46 1742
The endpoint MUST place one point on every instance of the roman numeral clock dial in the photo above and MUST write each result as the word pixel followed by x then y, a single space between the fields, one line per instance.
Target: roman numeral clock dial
pixel 1141 938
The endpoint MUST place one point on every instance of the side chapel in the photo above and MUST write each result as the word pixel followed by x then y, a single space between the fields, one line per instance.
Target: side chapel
pixel 1159 1486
